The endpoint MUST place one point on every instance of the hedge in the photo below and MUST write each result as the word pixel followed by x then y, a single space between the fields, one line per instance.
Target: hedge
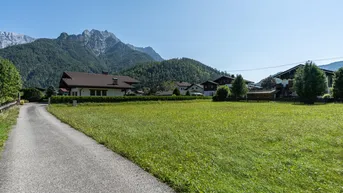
pixel 98 99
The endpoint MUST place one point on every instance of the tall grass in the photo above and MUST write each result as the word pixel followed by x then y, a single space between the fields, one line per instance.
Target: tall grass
pixel 7 120
pixel 223 147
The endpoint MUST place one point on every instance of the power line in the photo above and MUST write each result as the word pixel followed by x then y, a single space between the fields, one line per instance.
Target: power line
pixel 295 63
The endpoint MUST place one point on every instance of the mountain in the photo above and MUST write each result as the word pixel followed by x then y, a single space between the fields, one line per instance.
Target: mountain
pixel 42 62
pixel 148 50
pixel 332 66
pixel 10 39
pixel 156 74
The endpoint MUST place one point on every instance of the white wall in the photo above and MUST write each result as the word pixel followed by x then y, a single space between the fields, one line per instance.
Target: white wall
pixel 110 91
pixel 209 93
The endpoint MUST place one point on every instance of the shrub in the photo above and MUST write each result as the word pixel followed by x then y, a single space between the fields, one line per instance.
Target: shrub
pixel 32 94
pixel 176 92
pixel 51 91
pixel 188 93
pixel 22 102
pixel 95 99
pixel 222 93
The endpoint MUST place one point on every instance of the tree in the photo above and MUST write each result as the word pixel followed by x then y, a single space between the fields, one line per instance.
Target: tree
pixel 176 92
pixel 268 83
pixel 309 82
pixel 338 84
pixel 188 93
pixel 10 81
pixel 239 87
pixel 32 94
pixel 51 91
pixel 222 93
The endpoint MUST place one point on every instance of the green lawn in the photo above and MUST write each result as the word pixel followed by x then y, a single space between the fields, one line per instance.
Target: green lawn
pixel 7 120
pixel 204 146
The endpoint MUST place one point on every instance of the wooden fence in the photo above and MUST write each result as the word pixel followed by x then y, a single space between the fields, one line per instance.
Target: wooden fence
pixel 6 106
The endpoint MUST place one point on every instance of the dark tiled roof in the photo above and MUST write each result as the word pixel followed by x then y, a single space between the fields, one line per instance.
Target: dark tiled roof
pixel 263 92
pixel 229 77
pixel 198 85
pixel 81 79
pixel 183 84
pixel 209 82
pixel 296 67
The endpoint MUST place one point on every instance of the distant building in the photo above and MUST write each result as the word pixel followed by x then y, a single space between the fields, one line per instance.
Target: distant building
pixel 195 89
pixel 210 87
pixel 284 81
pixel 182 86
pixel 87 84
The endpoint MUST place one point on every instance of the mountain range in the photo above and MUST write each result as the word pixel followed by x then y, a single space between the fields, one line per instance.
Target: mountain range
pixel 11 39
pixel 42 61
pixel 332 66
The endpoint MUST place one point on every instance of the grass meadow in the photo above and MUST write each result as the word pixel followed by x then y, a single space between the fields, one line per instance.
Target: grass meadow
pixel 7 120
pixel 203 146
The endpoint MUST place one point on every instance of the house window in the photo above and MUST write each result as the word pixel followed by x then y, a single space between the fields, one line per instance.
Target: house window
pixel 104 92
pixel 98 93
pixel 73 93
pixel 92 92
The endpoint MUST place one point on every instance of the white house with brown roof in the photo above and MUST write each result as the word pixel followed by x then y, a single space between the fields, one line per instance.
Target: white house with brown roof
pixel 195 89
pixel 88 84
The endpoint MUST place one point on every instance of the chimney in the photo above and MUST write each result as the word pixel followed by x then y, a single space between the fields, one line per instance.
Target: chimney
pixel 115 81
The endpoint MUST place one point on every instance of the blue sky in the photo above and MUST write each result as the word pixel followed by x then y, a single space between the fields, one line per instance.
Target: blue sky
pixel 227 35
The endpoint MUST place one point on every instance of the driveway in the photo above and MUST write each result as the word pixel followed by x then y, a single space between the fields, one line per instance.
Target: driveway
pixel 44 155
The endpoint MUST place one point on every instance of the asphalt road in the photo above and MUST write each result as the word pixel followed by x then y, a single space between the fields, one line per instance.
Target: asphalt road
pixel 44 155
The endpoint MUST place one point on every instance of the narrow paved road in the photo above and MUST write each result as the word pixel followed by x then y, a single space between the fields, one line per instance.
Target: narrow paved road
pixel 45 155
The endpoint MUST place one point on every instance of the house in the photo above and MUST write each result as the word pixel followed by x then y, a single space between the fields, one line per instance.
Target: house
pixel 88 84
pixel 284 81
pixel 210 87
pixel 195 89
pixel 182 86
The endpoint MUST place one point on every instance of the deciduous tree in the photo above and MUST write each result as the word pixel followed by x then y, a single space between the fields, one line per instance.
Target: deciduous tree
pixel 309 82
pixel 10 81
pixel 338 84
pixel 239 87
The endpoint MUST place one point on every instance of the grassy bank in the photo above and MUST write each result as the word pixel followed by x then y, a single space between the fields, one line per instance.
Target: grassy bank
pixel 204 146
pixel 7 120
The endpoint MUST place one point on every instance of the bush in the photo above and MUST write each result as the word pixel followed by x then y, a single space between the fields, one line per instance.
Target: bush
pixel 176 92
pixel 32 94
pixel 222 93
pixel 22 102
pixel 188 93
pixel 51 91
pixel 95 99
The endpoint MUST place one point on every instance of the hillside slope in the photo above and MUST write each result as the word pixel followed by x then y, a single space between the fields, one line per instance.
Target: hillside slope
pixel 155 74
pixel 332 66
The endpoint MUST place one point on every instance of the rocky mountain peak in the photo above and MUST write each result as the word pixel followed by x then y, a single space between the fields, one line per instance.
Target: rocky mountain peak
pixel 10 39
